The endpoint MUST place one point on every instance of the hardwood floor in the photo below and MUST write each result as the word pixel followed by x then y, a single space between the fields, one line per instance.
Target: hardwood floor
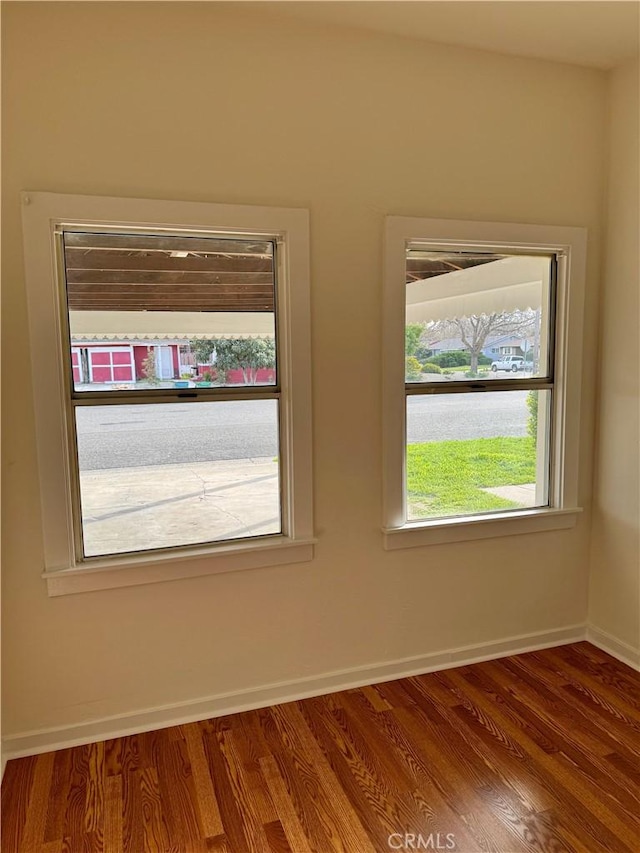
pixel 535 752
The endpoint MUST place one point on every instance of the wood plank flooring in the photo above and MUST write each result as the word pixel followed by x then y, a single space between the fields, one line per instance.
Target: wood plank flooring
pixel 535 752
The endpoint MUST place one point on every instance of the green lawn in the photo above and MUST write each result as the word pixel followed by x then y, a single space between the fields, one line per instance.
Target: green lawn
pixel 483 368
pixel 446 477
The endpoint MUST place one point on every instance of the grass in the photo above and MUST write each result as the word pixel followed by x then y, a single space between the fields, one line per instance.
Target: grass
pixel 483 368
pixel 447 477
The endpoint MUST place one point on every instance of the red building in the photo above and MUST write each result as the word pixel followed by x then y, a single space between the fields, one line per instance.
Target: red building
pixel 111 362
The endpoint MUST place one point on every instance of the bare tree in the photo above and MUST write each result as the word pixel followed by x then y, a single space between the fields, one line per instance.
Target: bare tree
pixel 474 330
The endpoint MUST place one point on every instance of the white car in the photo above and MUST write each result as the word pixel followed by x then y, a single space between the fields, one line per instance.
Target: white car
pixel 509 362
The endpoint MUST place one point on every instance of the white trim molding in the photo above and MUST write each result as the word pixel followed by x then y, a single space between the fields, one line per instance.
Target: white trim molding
pixel 463 529
pixel 45 217
pixel 89 731
pixel 230 557
pixel 616 648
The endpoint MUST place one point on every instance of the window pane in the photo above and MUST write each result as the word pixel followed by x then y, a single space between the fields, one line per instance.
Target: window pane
pixel 476 452
pixel 148 311
pixel 171 474
pixel 471 315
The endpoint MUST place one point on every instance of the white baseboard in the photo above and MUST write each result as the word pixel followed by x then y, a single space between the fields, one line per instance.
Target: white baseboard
pixel 47 740
pixel 616 648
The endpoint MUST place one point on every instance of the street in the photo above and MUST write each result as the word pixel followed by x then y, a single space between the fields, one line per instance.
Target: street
pixel 437 417
pixel 171 433
pixel 176 433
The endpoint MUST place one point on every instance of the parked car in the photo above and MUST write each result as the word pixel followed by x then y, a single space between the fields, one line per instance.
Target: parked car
pixel 509 362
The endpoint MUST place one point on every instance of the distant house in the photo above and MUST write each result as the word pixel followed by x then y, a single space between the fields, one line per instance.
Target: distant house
pixel 112 359
pixel 506 345
pixel 494 346
pixel 446 345
pixel 110 347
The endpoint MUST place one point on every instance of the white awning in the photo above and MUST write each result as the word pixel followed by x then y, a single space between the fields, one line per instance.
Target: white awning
pixel 516 283
pixel 168 325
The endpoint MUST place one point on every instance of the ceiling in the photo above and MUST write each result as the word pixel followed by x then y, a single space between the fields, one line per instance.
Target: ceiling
pixel 580 32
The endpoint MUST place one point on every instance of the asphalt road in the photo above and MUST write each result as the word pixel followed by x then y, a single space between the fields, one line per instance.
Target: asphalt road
pixel 474 415
pixel 165 434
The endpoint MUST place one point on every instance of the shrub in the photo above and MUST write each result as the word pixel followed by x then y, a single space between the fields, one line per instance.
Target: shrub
pixel 483 359
pixel 532 422
pixel 149 367
pixel 454 358
pixel 412 369
pixel 430 367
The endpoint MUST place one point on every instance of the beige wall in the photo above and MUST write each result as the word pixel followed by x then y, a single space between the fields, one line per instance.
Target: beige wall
pixel 202 102
pixel 614 595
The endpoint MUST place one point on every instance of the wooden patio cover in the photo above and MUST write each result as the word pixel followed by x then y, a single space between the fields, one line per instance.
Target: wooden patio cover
pixel 143 272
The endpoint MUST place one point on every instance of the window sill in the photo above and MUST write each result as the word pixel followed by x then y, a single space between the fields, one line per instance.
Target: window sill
pixel 440 531
pixel 111 573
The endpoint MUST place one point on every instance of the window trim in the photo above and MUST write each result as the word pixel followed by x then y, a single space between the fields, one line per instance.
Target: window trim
pixel 569 245
pixel 43 213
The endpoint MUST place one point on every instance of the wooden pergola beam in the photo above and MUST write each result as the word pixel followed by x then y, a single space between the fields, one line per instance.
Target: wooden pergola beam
pixel 171 279
pixel 153 303
pixel 138 272
pixel 99 259
pixel 170 243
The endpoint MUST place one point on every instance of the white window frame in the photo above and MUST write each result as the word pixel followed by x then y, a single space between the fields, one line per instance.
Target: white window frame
pixel 43 215
pixel 569 246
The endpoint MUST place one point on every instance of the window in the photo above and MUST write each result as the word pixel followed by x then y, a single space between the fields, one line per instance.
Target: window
pixel 171 366
pixel 481 379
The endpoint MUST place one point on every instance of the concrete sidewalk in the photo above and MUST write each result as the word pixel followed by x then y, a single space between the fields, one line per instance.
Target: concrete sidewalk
pixel 524 495
pixel 160 506
pixel 163 506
